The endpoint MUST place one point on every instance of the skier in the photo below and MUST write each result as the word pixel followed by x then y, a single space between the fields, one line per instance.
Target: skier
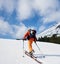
pixel 31 36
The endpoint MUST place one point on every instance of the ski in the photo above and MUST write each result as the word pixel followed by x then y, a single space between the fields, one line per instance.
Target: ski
pixel 39 55
pixel 33 57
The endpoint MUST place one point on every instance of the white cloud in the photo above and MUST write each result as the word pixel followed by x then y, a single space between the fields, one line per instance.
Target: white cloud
pixel 7 5
pixel 43 6
pixel 53 16
pixel 5 28
pixel 42 28
pixel 19 30
pixel 14 31
pixel 24 9
pixel 49 9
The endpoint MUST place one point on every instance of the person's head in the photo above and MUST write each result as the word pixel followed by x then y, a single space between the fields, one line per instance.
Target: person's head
pixel 32 31
pixel 29 30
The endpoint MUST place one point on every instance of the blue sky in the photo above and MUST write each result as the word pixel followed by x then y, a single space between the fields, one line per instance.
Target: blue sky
pixel 17 16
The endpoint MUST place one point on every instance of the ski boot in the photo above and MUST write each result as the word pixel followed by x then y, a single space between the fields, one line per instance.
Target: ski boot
pixel 31 53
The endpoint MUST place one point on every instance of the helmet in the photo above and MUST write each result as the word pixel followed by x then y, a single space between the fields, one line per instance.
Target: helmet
pixel 29 30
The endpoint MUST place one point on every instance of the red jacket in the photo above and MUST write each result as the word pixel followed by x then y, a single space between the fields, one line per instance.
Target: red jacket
pixel 27 34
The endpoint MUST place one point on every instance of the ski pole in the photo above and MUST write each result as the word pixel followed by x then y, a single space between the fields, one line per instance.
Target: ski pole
pixel 38 48
pixel 23 48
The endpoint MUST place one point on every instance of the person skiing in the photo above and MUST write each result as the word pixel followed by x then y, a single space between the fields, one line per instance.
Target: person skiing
pixel 31 36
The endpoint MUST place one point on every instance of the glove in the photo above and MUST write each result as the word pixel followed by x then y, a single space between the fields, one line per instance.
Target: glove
pixel 24 38
pixel 35 41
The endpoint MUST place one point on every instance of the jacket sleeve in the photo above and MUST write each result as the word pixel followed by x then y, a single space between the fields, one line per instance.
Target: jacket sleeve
pixel 25 36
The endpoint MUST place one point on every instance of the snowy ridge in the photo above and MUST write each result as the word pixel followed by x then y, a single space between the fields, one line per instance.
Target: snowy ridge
pixel 11 52
pixel 52 30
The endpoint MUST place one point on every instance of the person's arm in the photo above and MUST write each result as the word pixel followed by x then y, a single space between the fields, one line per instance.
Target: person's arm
pixel 25 36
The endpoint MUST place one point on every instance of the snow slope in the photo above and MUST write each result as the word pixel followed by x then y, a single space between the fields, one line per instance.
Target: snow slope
pixel 50 31
pixel 11 52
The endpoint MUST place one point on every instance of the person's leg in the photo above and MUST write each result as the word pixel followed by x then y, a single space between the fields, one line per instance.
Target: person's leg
pixel 30 45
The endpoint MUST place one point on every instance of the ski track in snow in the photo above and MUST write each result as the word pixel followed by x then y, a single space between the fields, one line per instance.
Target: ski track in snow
pixel 11 52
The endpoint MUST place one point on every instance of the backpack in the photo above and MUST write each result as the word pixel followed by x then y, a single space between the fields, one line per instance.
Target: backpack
pixel 32 34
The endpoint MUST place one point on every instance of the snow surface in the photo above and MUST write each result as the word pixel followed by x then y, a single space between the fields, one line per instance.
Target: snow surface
pixel 11 52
